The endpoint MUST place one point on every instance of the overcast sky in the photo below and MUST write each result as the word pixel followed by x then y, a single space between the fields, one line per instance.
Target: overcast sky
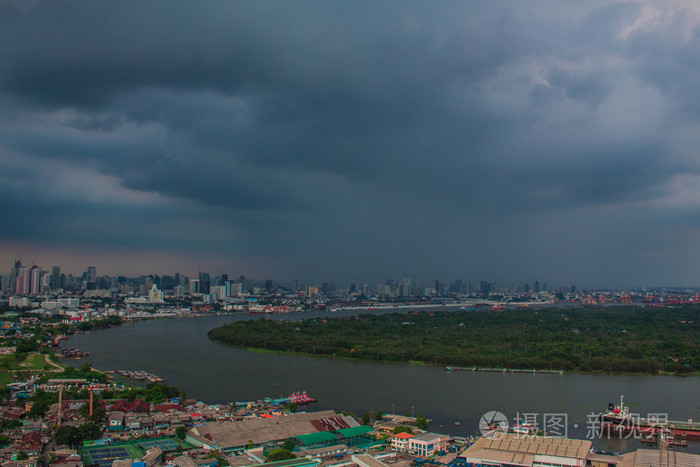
pixel 354 141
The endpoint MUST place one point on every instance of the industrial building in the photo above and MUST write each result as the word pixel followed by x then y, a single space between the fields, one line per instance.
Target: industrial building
pixel 514 449
pixel 236 435
pixel 518 450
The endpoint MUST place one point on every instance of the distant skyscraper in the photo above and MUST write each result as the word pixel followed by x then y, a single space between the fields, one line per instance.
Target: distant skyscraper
pixel 405 288
pixel 526 287
pixel 194 286
pixel 44 281
pixel 484 287
pixel 536 287
pixel 91 278
pixel 56 278
pixel 34 274
pixel 24 288
pixel 204 282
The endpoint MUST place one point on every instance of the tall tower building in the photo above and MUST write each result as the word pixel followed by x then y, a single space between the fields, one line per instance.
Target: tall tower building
pixel 56 278
pixel 34 286
pixel 204 282
pixel 91 278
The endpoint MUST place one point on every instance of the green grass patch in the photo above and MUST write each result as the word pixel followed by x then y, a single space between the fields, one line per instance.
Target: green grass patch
pixel 35 361
pixel 5 379
pixel 9 362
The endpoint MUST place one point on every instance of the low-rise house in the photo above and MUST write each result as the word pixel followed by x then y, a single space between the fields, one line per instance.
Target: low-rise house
pixel 399 441
pixel 132 423
pixel 427 443
pixel 116 421
pixel 136 406
pixel 160 421
pixel 31 444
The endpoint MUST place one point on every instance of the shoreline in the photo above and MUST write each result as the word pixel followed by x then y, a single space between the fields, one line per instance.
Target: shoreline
pixel 412 362
pixel 424 363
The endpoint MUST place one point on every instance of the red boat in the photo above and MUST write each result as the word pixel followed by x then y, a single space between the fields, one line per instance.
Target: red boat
pixel 301 398
pixel 618 418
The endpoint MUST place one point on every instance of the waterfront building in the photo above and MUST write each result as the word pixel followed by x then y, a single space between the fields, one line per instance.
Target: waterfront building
pixel 514 449
pixel 427 443
pixel 399 441
pixel 503 449
pixel 236 435
pixel 236 289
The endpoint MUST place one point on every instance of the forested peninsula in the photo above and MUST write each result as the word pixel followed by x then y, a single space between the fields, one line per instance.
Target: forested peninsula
pixel 620 339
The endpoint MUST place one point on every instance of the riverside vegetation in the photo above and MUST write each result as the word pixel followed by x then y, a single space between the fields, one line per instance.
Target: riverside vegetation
pixel 620 339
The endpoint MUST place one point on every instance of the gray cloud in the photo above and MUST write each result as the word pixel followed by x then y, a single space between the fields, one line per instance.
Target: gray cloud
pixel 357 141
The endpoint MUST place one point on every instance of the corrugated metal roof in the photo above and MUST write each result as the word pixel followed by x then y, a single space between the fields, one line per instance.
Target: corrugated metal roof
pixel 316 438
pixel 355 431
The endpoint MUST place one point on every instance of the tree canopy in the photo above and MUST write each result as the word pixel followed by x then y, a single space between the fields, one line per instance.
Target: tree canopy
pixel 599 339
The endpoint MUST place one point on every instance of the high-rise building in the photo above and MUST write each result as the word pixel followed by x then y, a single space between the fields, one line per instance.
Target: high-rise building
pixel 485 287
pixel 536 287
pixel 44 282
pixel 204 282
pixel 56 278
pixel 23 282
pixel 405 288
pixel 34 275
pixel 7 282
pixel 91 278
pixel 194 286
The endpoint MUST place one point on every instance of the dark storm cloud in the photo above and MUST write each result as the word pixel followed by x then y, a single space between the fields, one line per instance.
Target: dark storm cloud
pixel 356 140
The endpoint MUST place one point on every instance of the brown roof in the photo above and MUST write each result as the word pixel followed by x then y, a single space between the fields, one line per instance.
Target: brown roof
pixel 260 430
pixel 514 448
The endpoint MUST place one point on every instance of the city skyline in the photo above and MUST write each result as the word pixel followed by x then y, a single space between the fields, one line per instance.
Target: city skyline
pixel 334 142
pixel 404 284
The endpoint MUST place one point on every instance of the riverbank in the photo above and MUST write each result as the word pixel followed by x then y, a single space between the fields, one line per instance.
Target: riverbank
pixel 591 340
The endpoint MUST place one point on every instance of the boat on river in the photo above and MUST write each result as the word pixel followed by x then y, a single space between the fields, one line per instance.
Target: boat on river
pixel 618 418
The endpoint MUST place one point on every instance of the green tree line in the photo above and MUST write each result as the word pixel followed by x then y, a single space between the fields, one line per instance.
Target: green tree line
pixel 593 339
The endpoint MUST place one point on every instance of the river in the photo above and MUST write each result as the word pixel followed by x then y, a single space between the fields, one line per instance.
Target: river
pixel 180 351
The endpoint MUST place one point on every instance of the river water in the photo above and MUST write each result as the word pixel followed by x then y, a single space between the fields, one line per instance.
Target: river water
pixel 180 351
